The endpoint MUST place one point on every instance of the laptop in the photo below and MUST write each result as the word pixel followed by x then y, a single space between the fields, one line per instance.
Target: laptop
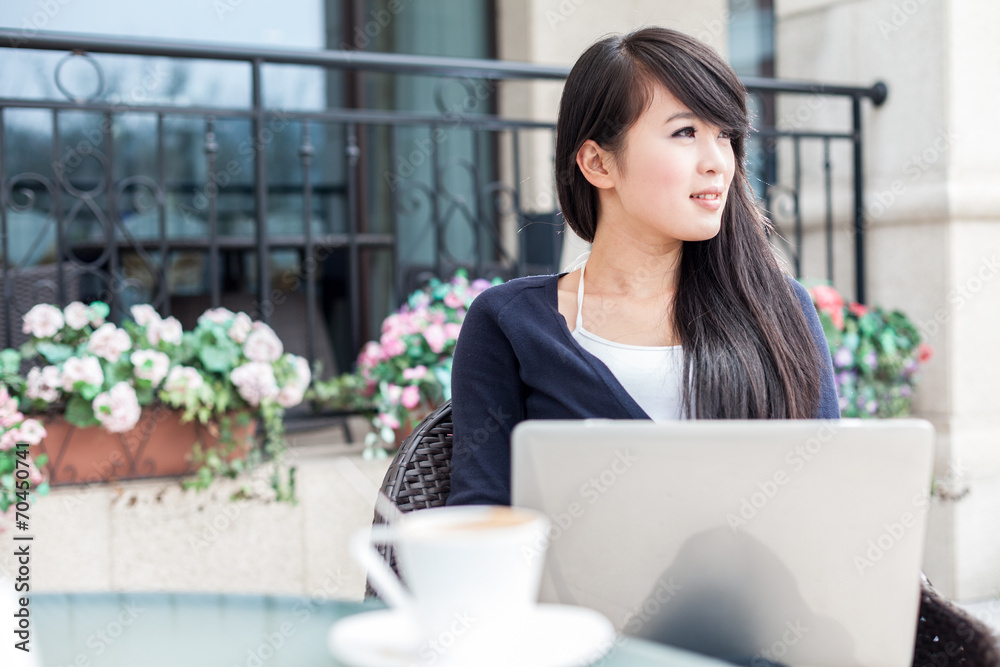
pixel 759 542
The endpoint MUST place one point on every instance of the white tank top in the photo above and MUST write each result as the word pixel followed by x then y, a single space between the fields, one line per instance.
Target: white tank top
pixel 650 374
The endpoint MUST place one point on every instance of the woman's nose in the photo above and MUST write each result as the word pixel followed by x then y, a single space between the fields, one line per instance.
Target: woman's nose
pixel 712 157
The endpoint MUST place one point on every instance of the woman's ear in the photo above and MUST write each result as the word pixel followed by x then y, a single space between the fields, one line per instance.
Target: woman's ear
pixel 595 163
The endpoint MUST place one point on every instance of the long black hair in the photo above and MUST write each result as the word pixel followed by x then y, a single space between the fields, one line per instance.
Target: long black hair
pixel 747 348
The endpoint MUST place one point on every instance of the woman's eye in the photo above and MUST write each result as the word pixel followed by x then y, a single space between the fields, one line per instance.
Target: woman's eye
pixel 684 132
pixel 725 135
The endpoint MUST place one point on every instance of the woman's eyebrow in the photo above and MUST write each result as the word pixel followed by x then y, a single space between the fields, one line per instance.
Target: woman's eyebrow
pixel 680 114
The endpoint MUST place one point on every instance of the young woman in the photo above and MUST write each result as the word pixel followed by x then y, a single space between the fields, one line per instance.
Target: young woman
pixel 680 310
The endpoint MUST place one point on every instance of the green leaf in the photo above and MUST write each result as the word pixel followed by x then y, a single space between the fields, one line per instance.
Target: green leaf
pixel 88 392
pixel 54 353
pixel 80 413
pixel 10 361
pixel 144 393
pixel 101 308
pixel 887 339
pixel 216 358
pixel 117 372
pixel 28 350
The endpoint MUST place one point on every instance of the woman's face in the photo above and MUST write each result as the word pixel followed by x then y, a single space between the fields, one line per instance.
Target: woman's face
pixel 672 178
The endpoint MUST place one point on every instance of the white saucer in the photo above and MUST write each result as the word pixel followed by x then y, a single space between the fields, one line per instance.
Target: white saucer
pixel 550 636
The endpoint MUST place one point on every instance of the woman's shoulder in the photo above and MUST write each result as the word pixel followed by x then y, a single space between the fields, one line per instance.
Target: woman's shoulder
pixel 530 290
pixel 799 291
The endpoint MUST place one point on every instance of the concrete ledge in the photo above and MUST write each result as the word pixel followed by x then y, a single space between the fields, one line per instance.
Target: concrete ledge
pixel 154 536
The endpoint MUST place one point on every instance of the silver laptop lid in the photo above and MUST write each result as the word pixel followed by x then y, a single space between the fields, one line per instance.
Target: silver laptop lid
pixel 798 542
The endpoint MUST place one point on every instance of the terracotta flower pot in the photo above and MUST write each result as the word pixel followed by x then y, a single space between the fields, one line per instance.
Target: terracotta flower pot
pixel 158 446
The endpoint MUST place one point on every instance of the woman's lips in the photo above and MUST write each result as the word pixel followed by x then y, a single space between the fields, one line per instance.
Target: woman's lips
pixel 711 201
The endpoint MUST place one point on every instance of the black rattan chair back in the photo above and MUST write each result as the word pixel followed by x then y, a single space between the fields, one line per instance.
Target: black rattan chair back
pixel 420 477
pixel 950 636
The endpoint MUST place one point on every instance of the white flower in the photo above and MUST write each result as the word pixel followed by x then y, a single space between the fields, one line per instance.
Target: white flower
pixel 43 321
pixel 32 431
pixel 183 379
pixel 255 382
pixel 145 315
pixel 77 315
pixel 262 344
pixel 109 342
pixel 168 331
pixel 216 315
pixel 294 390
pixel 240 328
pixel 81 369
pixel 290 396
pixel 303 376
pixel 150 365
pixel 44 383
pixel 118 408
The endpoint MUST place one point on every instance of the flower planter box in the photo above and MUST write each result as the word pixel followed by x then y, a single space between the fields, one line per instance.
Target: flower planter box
pixel 159 446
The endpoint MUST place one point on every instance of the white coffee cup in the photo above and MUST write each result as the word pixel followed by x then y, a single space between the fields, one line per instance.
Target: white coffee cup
pixel 468 570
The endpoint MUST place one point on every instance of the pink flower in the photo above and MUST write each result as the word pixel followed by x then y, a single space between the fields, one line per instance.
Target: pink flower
pixel 857 309
pixel 183 379
pixel 262 344
pixel 255 382
pixel 411 397
pixel 397 323
pixel 81 369
pixel 451 330
pixel 145 315
pixel 34 475
pixel 118 408
pixel 388 420
pixel 150 365
pixel 9 439
pixel 415 373
pixel 109 342
pixel 44 383
pixel 9 414
pixel 371 354
pixel 77 315
pixel 453 300
pixel 393 393
pixel 924 353
pixel 837 316
pixel 827 298
pixel 435 337
pixel 43 321
pixel 392 346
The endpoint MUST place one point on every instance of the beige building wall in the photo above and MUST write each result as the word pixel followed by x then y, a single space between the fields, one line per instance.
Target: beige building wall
pixel 933 242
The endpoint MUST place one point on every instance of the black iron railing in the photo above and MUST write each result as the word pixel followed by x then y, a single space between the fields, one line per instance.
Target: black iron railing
pixel 394 200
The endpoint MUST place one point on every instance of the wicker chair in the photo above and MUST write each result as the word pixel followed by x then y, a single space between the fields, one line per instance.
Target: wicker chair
pixel 420 477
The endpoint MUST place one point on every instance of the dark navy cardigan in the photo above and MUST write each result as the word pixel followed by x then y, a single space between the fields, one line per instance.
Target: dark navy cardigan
pixel 516 359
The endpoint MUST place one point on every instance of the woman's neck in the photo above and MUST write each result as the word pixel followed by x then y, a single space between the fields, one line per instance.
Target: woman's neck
pixel 632 268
